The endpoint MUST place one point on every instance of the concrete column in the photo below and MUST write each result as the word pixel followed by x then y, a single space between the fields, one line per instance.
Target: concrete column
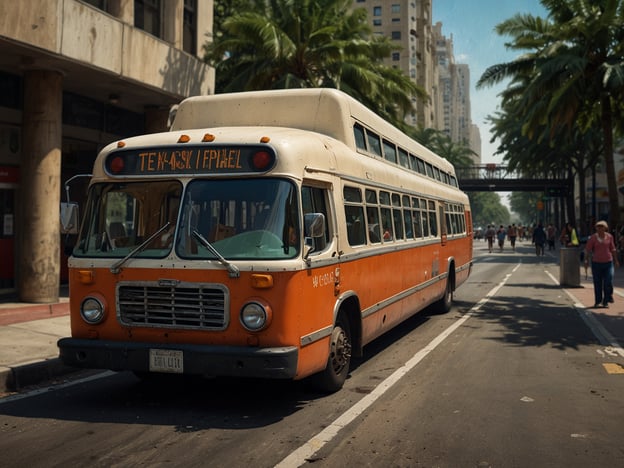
pixel 40 188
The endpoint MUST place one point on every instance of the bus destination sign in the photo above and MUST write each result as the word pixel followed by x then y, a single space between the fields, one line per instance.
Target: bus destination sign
pixel 233 159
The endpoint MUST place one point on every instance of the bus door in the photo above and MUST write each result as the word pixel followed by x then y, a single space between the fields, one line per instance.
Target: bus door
pixel 8 186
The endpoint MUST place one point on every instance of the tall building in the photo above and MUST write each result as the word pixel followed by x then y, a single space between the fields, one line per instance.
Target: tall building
pixel 455 95
pixel 463 126
pixel 426 56
pixel 408 22
pixel 475 143
pixel 445 61
pixel 76 75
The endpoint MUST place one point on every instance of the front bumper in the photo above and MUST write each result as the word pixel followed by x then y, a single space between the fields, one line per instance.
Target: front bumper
pixel 207 360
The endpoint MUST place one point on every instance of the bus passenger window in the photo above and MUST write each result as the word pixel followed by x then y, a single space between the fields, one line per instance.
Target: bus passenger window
pixel 374 233
pixel 389 151
pixel 417 225
pixel 436 173
pixel 398 223
pixel 386 216
pixel 360 137
pixel 421 166
pixel 404 158
pixel 355 225
pixel 397 216
pixel 424 218
pixel 372 216
pixel 386 224
pixel 374 143
pixel 407 215
pixel 433 224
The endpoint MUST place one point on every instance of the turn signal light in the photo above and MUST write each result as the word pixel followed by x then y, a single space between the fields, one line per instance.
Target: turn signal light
pixel 86 276
pixel 261 281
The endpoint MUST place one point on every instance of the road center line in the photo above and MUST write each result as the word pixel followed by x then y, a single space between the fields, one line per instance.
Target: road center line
pixel 308 449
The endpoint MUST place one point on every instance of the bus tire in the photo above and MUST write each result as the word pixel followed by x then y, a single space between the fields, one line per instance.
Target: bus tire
pixel 444 304
pixel 333 377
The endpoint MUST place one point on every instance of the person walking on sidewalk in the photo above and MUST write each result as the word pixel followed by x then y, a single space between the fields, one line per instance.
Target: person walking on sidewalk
pixel 551 233
pixel 539 239
pixel 602 249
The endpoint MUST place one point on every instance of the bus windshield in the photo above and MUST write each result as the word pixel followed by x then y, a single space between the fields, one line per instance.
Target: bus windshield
pixel 121 216
pixel 242 219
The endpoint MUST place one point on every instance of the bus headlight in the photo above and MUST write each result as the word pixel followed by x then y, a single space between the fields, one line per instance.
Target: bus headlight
pixel 255 316
pixel 92 310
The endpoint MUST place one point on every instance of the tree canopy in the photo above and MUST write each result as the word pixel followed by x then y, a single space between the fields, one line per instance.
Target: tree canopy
pixel 563 103
pixel 276 44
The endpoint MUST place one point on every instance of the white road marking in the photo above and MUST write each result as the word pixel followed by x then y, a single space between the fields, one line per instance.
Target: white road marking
pixel 308 449
pixel 41 391
pixel 599 331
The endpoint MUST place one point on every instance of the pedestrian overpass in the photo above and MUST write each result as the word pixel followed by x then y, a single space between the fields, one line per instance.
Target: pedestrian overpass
pixel 498 178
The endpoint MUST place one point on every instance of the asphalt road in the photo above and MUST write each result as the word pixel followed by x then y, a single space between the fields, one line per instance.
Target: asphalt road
pixel 511 377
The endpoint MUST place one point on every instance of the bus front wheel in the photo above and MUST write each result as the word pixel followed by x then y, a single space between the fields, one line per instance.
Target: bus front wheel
pixel 333 377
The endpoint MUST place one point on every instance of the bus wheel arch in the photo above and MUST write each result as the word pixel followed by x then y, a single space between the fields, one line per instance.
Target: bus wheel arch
pixel 345 341
pixel 444 304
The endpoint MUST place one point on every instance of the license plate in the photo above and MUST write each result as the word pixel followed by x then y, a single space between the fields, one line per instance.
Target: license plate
pixel 166 360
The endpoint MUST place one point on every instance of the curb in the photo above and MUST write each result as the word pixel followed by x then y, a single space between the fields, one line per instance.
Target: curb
pixel 16 378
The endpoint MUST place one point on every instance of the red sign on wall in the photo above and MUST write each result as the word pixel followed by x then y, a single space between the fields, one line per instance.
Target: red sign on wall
pixel 9 174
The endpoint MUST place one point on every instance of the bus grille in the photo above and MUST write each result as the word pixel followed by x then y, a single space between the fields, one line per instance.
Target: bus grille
pixel 188 306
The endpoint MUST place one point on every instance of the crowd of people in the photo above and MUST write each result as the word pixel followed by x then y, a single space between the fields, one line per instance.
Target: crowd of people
pixel 602 250
pixel 539 235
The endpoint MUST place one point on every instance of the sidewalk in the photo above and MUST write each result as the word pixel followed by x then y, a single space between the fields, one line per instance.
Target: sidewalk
pixel 612 318
pixel 28 336
pixel 29 332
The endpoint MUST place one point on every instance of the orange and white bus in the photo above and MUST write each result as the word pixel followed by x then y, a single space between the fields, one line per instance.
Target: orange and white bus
pixel 268 234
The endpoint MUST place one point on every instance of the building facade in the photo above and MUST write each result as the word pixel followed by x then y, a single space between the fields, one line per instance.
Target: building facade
pixel 408 23
pixel 426 56
pixel 75 76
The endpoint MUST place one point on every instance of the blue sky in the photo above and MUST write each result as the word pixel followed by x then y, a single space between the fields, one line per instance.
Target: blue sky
pixel 471 24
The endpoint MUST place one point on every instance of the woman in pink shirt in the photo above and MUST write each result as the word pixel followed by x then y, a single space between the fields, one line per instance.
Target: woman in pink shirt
pixel 601 247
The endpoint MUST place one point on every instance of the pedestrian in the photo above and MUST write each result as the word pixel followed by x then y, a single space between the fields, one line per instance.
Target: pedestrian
pixel 602 249
pixel 539 239
pixel 568 236
pixel 512 233
pixel 489 236
pixel 551 234
pixel 501 234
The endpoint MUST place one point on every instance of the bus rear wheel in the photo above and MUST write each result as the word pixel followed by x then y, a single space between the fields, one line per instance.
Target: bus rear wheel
pixel 445 303
pixel 333 377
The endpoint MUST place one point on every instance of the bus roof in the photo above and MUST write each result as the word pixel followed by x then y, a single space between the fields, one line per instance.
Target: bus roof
pixel 323 110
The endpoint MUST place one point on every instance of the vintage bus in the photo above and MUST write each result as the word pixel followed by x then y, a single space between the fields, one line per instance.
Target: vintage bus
pixel 268 234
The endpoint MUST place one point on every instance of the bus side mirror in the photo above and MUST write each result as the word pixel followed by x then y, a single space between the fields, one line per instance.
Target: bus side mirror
pixel 69 218
pixel 314 226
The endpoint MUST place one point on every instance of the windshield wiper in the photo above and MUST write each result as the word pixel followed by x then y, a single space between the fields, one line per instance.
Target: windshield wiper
pixel 232 269
pixel 115 268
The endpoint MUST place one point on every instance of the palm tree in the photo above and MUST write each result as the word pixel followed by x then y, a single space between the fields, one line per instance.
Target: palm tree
pixel 575 72
pixel 306 44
